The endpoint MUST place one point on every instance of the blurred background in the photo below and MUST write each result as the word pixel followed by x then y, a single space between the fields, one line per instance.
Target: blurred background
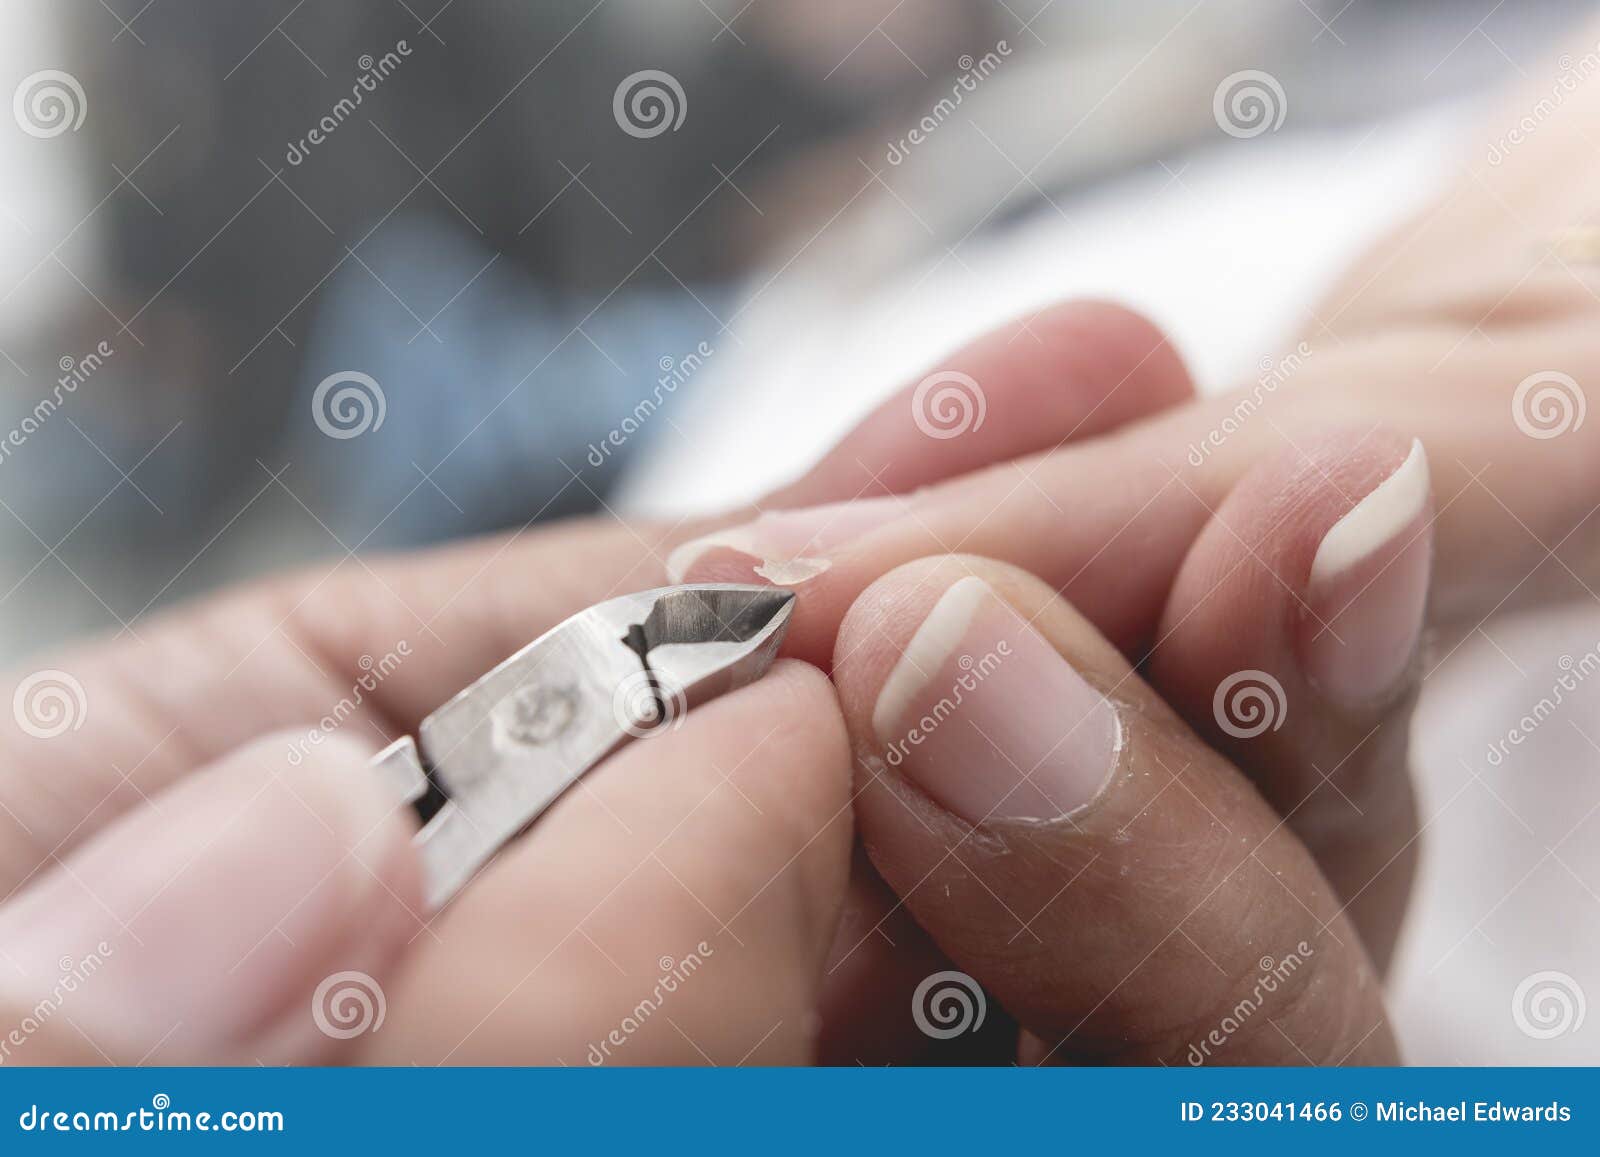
pixel 284 280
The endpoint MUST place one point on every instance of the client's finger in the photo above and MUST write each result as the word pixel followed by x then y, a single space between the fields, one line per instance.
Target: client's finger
pixel 1066 373
pixel 248 916
pixel 1120 369
pixel 1289 643
pixel 1114 883
pixel 674 907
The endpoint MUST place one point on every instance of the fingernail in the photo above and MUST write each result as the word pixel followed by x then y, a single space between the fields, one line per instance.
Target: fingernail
pixel 222 905
pixel 1369 588
pixel 786 547
pixel 987 718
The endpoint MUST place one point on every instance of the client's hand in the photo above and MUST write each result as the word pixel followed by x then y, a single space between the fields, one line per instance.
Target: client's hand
pixel 1456 358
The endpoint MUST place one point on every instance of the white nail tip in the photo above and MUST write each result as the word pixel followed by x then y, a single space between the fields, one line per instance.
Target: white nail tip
pixel 1376 519
pixel 792 572
pixel 932 643
pixel 785 572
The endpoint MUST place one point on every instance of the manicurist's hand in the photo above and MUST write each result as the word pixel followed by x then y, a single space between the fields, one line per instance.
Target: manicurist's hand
pixel 196 864
pixel 1121 868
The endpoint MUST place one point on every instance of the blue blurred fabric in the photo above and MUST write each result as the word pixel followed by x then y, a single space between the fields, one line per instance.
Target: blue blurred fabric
pixel 498 396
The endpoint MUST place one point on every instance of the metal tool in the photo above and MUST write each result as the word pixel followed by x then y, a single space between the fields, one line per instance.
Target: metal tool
pixel 486 764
